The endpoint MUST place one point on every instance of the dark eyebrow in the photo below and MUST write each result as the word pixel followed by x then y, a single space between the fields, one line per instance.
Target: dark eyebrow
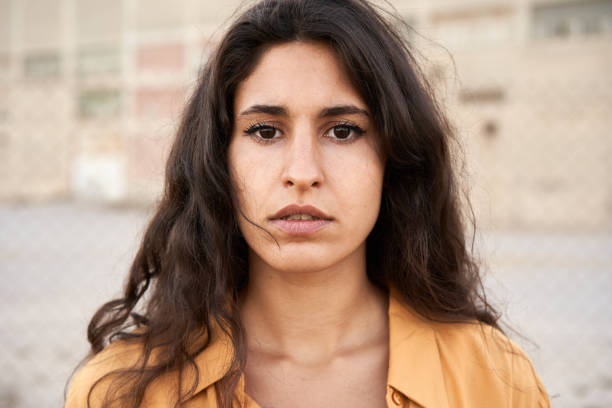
pixel 269 109
pixel 327 112
pixel 343 110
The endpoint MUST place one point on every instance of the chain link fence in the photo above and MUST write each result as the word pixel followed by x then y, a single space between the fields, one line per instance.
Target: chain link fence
pixel 84 131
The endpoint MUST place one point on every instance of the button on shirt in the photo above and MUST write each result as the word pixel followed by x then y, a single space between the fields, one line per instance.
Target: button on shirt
pixel 431 365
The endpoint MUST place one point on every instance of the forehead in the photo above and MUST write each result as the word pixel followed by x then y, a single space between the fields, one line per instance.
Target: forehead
pixel 298 75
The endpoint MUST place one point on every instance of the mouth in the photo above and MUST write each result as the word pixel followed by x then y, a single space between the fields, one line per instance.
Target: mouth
pixel 299 217
pixel 296 212
pixel 300 220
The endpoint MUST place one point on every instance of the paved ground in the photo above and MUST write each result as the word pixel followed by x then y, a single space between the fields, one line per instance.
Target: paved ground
pixel 59 262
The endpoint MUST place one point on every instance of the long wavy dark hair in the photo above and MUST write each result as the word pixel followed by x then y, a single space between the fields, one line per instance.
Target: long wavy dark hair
pixel 192 262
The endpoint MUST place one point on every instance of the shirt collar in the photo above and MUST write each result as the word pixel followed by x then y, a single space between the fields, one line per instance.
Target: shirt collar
pixel 214 361
pixel 415 368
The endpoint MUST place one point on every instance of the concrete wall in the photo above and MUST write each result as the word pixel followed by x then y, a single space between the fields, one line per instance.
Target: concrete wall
pixel 91 93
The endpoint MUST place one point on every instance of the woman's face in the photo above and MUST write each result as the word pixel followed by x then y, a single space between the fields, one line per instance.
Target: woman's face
pixel 303 160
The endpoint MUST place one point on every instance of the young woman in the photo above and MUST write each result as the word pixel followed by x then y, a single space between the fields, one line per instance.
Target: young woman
pixel 309 247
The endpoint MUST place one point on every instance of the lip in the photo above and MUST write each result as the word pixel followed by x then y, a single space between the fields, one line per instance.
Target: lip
pixel 301 209
pixel 300 227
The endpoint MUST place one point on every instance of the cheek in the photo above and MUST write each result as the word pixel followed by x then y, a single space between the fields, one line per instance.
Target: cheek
pixel 242 165
pixel 359 178
pixel 251 175
pixel 238 168
pixel 369 194
pixel 357 183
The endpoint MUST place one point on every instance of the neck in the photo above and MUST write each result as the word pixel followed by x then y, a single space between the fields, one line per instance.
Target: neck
pixel 315 315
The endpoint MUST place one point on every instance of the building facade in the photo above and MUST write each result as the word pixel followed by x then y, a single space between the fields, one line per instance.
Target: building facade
pixel 91 93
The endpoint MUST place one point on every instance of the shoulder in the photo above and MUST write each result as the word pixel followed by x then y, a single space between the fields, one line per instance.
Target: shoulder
pixel 474 343
pixel 98 378
pixel 91 382
pixel 461 363
pixel 497 366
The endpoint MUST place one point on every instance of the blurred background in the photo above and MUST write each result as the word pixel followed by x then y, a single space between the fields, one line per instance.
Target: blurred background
pixel 90 95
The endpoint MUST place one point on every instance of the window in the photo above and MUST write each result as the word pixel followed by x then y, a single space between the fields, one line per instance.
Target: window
pixel 42 65
pixel 593 25
pixel 98 61
pixel 482 95
pixel 99 103
pixel 160 57
pixel 574 19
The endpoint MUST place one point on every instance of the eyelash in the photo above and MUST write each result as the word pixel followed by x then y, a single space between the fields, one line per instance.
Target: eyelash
pixel 356 130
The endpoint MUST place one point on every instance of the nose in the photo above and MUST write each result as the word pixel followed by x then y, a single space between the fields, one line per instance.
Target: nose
pixel 302 168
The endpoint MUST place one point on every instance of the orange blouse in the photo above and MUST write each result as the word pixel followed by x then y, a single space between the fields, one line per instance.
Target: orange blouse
pixel 431 365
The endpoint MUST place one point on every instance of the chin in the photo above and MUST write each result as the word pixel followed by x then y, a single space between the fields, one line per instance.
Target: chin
pixel 305 258
pixel 301 264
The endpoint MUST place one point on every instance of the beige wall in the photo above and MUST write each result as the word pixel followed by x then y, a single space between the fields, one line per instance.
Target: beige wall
pixel 548 162
pixel 90 97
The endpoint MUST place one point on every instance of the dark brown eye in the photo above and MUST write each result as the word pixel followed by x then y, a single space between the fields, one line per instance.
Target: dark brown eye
pixel 341 132
pixel 263 132
pixel 267 132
